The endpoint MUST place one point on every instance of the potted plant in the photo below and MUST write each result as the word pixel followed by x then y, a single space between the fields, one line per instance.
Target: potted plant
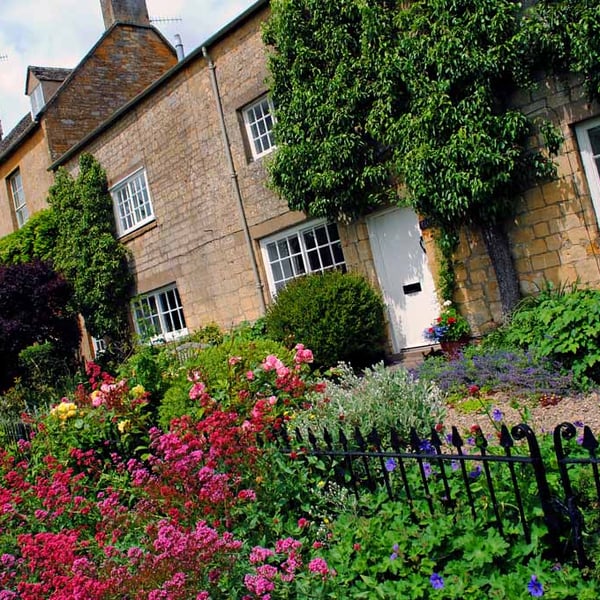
pixel 451 330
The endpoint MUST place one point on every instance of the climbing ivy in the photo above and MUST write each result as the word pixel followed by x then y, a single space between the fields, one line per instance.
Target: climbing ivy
pixel 375 94
pixel 87 251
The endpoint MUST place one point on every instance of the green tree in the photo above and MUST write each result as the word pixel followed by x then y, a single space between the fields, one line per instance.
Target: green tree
pixel 425 86
pixel 327 163
pixel 88 253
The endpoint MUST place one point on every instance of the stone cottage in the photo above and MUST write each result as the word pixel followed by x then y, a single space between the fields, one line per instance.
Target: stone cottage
pixel 209 242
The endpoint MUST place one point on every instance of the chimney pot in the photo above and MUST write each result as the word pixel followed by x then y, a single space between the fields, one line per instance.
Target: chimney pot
pixel 124 11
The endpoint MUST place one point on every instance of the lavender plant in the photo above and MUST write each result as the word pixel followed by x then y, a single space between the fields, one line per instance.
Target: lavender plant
pixel 500 370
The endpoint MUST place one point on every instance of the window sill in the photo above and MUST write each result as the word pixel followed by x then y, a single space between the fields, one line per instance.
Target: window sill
pixel 131 235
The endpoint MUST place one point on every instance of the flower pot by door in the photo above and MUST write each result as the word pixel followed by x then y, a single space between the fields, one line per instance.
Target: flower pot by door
pixel 453 349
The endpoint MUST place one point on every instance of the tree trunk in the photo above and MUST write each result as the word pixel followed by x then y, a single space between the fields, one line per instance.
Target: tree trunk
pixel 496 242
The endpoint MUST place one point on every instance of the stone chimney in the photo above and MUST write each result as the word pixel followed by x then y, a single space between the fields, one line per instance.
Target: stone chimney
pixel 124 11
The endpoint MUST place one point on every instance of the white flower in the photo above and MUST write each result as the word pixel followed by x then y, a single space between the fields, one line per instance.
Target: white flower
pixel 447 303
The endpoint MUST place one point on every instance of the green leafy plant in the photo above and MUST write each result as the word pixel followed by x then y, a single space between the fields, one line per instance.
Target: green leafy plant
pixel 339 316
pixel 223 370
pixel 563 325
pixel 380 398
pixel 88 253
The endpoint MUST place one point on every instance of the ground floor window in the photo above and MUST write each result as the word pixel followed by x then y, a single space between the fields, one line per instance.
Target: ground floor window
pixel 158 315
pixel 309 248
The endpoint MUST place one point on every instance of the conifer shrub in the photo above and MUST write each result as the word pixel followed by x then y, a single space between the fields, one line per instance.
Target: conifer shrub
pixel 339 316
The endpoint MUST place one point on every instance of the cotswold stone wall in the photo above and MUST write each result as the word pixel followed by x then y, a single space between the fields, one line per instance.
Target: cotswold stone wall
pixel 554 235
pixel 197 239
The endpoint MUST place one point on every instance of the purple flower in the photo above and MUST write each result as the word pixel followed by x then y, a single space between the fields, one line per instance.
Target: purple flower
pixel 437 581
pixel 426 447
pixel 427 469
pixel 394 554
pixel 475 473
pixel 454 465
pixel 534 587
pixel 390 465
pixel 497 414
pixel 578 423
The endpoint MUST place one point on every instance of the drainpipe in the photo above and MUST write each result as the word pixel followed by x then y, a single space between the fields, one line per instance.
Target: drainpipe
pixel 234 178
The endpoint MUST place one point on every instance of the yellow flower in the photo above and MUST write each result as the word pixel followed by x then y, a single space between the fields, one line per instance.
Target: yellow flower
pixel 124 426
pixel 138 391
pixel 64 411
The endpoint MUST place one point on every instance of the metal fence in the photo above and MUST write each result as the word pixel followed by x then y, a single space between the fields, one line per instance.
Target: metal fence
pixel 446 473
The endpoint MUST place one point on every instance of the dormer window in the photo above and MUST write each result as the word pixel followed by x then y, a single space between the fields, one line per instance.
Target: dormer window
pixel 37 100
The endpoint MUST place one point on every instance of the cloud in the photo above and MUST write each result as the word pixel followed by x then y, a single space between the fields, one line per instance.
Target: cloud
pixel 60 33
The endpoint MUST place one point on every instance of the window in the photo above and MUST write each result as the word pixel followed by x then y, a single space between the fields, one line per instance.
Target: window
pixel 133 207
pixel 588 136
pixel 158 315
pixel 258 118
pixel 37 100
pixel 18 197
pixel 99 346
pixel 313 247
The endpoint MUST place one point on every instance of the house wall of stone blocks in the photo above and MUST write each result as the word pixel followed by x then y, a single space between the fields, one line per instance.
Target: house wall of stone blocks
pixel 32 160
pixel 554 234
pixel 197 240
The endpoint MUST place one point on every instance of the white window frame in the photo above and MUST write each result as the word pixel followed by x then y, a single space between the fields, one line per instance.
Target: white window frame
pixel 591 161
pixel 132 202
pixel 296 254
pixel 17 193
pixel 99 345
pixel 259 127
pixel 37 99
pixel 156 314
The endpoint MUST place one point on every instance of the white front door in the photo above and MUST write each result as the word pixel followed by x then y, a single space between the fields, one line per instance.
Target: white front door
pixel 404 275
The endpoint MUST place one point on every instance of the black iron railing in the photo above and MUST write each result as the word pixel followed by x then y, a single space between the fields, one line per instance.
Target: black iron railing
pixel 481 476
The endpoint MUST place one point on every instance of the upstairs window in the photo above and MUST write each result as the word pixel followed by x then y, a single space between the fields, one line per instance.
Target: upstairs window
pixel 310 248
pixel 588 136
pixel 18 198
pixel 133 207
pixel 158 315
pixel 258 118
pixel 37 100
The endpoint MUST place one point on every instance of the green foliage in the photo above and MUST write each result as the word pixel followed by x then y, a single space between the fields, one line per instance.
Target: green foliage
pixel 382 398
pixel 46 374
pixel 418 92
pixel 327 163
pixel 222 369
pixel 458 147
pixel 35 240
pixel 87 251
pixel 562 325
pixel 340 317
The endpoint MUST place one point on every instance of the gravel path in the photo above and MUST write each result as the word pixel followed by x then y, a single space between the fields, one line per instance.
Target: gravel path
pixel 585 409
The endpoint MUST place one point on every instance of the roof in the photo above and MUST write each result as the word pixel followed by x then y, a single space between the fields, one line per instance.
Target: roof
pixel 18 133
pixel 49 73
pixel 46 74
pixel 172 72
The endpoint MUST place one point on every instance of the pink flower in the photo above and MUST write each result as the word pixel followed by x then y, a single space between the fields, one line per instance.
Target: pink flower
pixel 302 522
pixel 198 390
pixel 259 554
pixel 234 360
pixel 272 363
pixel 303 355
pixel 249 375
pixel 319 566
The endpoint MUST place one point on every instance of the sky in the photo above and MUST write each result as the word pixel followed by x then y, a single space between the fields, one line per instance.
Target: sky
pixel 59 33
